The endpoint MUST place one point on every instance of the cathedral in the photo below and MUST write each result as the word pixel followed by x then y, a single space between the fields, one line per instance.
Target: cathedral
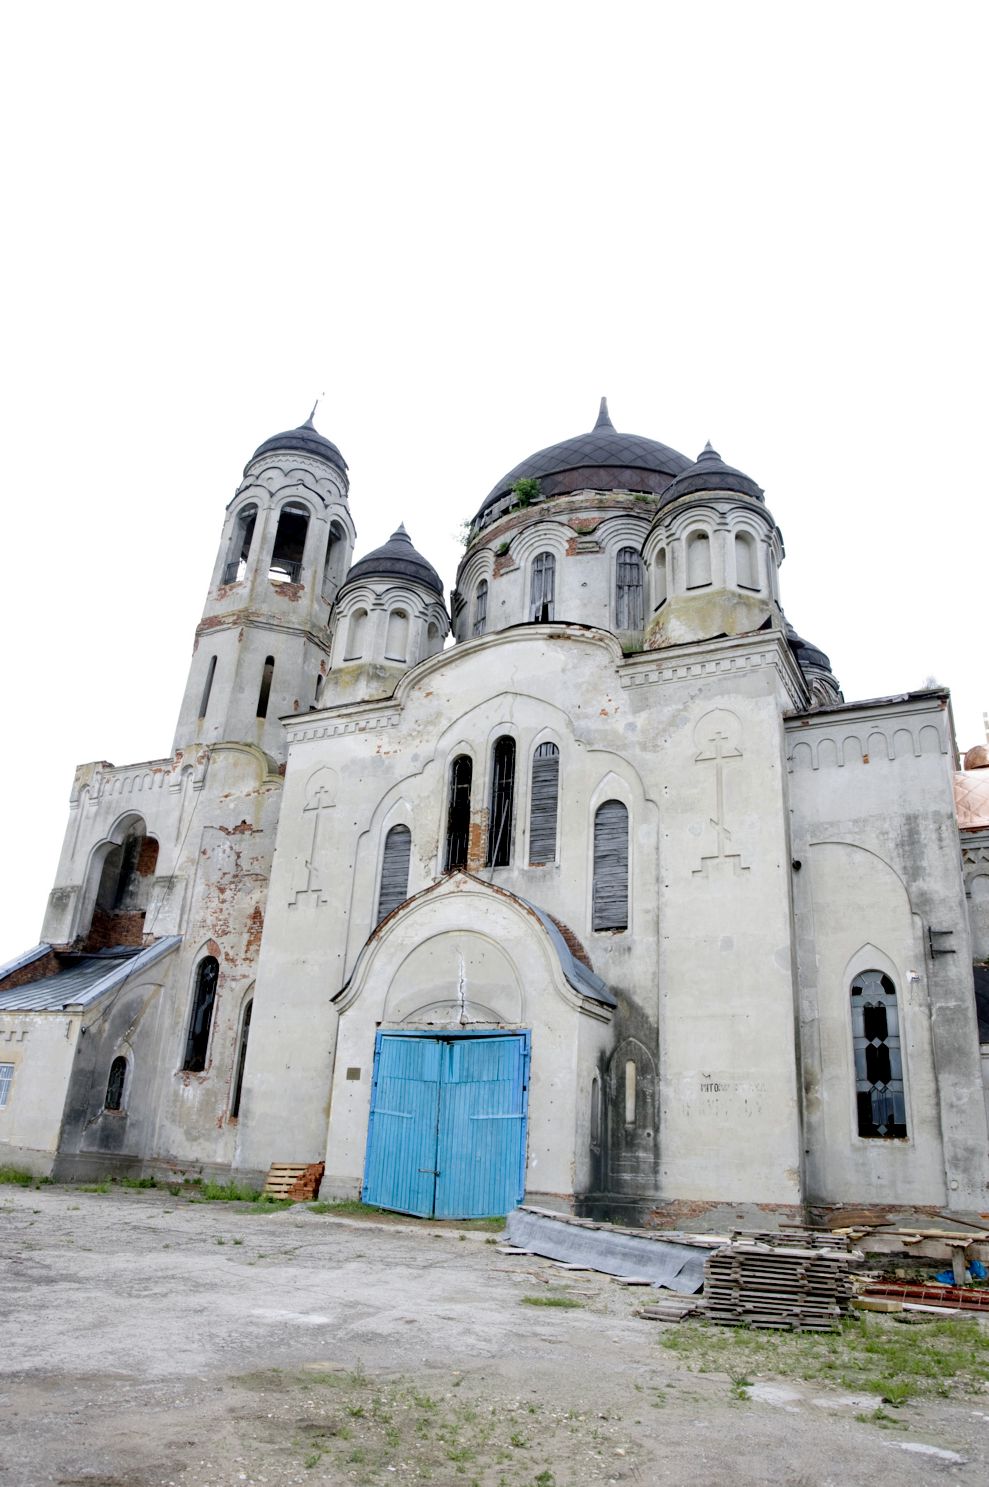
pixel 584 886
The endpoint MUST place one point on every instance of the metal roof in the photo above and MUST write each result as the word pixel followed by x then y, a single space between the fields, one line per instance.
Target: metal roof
pixel 710 473
pixel 396 559
pixel 306 439
pixel 84 978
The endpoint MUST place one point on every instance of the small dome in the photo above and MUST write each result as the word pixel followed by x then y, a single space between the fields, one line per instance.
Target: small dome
pixel 601 459
pixel 710 473
pixel 977 758
pixel 306 439
pixel 397 559
pixel 806 654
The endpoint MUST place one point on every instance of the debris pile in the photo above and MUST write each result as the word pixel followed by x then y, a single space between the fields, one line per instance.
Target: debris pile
pixel 797 1280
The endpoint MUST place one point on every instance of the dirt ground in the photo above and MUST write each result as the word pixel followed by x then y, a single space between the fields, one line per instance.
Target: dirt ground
pixel 147 1341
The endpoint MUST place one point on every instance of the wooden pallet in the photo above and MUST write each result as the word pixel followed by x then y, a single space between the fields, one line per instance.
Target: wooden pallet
pixel 792 1281
pixel 296 1180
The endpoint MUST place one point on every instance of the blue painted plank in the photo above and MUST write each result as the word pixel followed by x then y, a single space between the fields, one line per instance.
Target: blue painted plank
pixel 481 1145
pixel 401 1148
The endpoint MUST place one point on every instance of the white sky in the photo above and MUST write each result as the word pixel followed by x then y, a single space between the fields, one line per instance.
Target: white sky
pixel 762 224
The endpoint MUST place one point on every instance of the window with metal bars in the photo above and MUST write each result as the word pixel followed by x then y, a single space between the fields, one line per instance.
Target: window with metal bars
pixel 115 1084
pixel 628 591
pixel 197 1039
pixel 395 860
pixel 481 608
pixel 609 897
pixel 879 1086
pixel 458 812
pixel 544 804
pixel 502 800
pixel 6 1079
pixel 542 594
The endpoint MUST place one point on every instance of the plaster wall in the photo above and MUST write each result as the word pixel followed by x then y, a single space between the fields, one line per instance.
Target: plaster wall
pixel 41 1046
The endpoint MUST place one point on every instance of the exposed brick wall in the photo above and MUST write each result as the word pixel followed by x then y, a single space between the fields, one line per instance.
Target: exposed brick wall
pixel 107 929
pixel 45 965
pixel 573 944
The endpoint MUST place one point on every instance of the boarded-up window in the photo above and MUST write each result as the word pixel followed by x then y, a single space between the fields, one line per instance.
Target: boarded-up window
pixel 542 595
pixel 197 1040
pixel 880 1091
pixel 698 560
pixel 115 1084
pixel 628 591
pixel 609 905
pixel 458 812
pixel 659 579
pixel 481 607
pixel 502 799
pixel 544 804
pixel 394 871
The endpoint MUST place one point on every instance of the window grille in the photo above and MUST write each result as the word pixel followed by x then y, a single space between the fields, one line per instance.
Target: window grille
pixel 609 904
pixel 6 1076
pixel 544 804
pixel 502 797
pixel 629 611
pixel 541 605
pixel 197 1041
pixel 880 1091
pixel 394 871
pixel 458 812
pixel 481 607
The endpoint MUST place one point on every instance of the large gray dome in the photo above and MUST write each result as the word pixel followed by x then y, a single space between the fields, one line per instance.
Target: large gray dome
pixel 306 439
pixel 397 558
pixel 603 459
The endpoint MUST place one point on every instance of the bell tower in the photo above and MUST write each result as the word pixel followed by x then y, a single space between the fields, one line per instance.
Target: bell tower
pixel 262 646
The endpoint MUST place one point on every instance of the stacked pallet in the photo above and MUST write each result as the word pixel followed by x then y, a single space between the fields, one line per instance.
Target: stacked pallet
pixel 296 1180
pixel 778 1280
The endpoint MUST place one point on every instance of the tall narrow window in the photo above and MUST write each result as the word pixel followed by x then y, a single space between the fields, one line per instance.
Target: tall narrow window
pixel 458 812
pixel 745 561
pixel 356 632
pixel 264 691
pixel 698 560
pixel 544 804
pixel 659 579
pixel 115 1085
pixel 197 1040
pixel 628 590
pixel 542 596
pixel 595 1111
pixel 397 636
pixel 881 1097
pixel 240 545
pixel 290 544
pixel 6 1078
pixel 433 641
pixel 502 797
pixel 336 552
pixel 630 1080
pixel 481 607
pixel 394 871
pixel 245 1032
pixel 207 689
pixel 609 902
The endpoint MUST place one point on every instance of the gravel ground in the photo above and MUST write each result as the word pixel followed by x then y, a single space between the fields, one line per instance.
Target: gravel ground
pixel 149 1341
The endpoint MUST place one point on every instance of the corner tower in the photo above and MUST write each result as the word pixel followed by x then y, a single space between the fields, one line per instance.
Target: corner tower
pixel 263 646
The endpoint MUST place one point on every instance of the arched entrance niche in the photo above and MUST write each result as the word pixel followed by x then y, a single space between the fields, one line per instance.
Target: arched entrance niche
pixel 465 961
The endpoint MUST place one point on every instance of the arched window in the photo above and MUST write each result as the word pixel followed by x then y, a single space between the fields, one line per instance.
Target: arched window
pixel 659 579
pixel 595 1111
pixel 433 641
pixel 290 544
pixel 127 874
pixel 336 552
pixel 881 1096
pixel 628 590
pixel 630 1082
pixel 544 804
pixel 541 598
pixel 609 900
pixel 481 608
pixel 240 545
pixel 115 1085
pixel 502 798
pixel 698 560
pixel 356 631
pixel 207 688
pixel 197 1039
pixel 264 691
pixel 458 812
pixel 746 569
pixel 319 690
pixel 245 1032
pixel 394 871
pixel 397 636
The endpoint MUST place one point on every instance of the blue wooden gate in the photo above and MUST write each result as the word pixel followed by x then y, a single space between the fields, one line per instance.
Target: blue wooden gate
pixel 446 1136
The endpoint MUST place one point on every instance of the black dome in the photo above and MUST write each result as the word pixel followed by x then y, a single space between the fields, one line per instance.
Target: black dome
pixel 397 559
pixel 306 439
pixel 806 653
pixel 710 473
pixel 644 464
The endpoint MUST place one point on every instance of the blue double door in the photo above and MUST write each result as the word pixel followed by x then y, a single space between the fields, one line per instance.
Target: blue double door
pixel 446 1137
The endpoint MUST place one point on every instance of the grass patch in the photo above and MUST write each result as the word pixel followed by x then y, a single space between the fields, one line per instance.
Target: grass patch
pixel 14 1177
pixel 870 1354
pixel 138 1182
pixel 226 1192
pixel 566 1302
pixel 265 1203
pixel 346 1208
pixel 94 1187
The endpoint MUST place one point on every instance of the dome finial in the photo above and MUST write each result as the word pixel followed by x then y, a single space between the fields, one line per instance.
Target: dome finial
pixel 604 422
pixel 309 421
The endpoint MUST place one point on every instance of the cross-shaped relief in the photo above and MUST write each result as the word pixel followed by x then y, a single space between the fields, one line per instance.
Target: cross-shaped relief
pixel 717 735
pixel 320 800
